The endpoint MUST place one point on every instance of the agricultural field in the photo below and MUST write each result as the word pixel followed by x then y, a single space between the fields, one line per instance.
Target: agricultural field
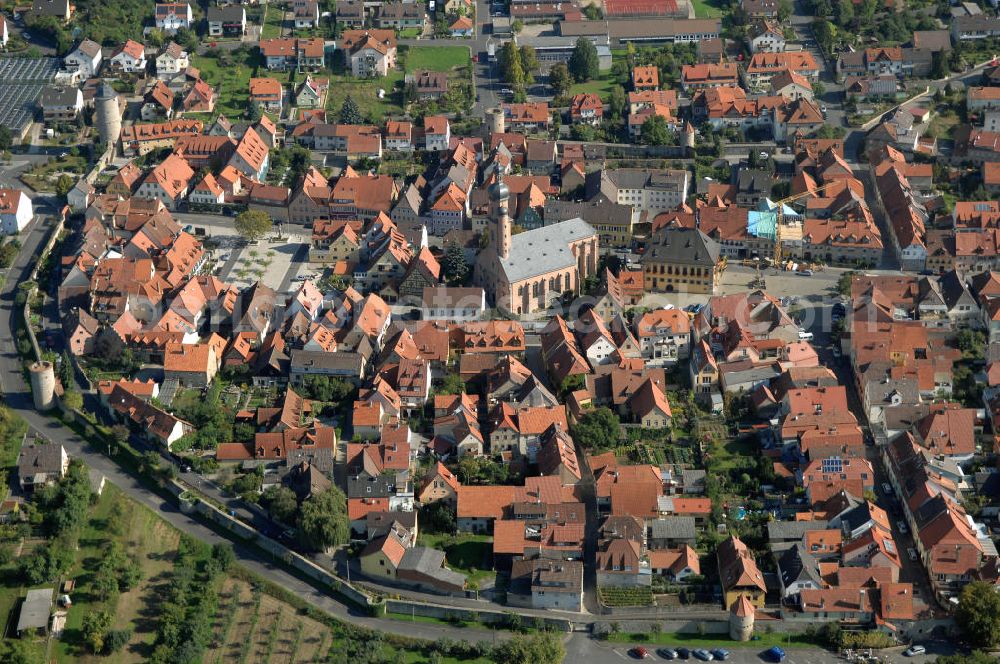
pixel 253 627
pixel 625 596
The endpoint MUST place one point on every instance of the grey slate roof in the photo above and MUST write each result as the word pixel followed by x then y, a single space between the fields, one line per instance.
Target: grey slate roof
pixel 544 249
pixel 230 14
pixel 429 562
pixel 798 565
pixel 596 211
pixel 56 96
pixel 35 459
pixel 672 527
pixel 364 485
pixel 683 245
pixel 786 531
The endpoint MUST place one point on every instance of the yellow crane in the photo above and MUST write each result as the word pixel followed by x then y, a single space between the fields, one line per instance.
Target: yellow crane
pixel 758 281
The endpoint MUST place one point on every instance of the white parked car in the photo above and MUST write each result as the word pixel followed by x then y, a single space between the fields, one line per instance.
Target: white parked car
pixel 805 336
pixel 915 650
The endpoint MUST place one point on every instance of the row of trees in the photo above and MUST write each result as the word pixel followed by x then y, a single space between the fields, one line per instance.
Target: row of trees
pixel 185 625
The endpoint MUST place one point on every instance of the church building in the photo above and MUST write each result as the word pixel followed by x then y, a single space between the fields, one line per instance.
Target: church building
pixel 523 273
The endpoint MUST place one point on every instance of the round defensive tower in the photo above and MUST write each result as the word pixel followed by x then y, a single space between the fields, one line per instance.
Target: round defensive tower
pixel 43 384
pixel 108 117
pixel 741 619
pixel 495 121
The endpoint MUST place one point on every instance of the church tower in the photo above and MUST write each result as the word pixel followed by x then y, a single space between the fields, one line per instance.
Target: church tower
pixel 500 216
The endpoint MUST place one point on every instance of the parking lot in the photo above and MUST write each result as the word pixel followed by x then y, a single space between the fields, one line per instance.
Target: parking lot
pixel 600 652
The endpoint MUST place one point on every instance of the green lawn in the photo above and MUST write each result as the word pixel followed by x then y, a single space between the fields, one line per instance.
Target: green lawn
pixel 273 20
pixel 365 94
pixel 436 58
pixel 601 86
pixel 465 553
pixel 729 451
pixel 231 82
pixel 707 8
pixel 410 33
pixel 762 640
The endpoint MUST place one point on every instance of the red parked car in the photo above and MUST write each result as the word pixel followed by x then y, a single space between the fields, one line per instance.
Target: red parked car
pixel 639 652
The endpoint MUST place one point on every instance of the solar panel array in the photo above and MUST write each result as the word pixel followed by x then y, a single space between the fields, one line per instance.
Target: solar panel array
pixel 21 83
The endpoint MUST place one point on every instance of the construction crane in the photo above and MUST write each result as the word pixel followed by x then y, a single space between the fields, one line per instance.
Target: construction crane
pixel 758 281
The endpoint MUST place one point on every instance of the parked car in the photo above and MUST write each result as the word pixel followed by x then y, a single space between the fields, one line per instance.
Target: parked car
pixel 902 527
pixel 805 273
pixel 914 650
pixel 639 652
pixel 912 553
pixel 805 336
pixel 667 653
pixel 683 653
pixel 703 655
pixel 887 488
pixel 720 654
pixel 775 654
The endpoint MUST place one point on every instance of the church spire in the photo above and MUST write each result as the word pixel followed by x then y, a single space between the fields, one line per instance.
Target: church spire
pixel 499 197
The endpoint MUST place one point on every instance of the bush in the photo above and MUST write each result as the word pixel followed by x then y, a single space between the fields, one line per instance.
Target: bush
pixel 116 640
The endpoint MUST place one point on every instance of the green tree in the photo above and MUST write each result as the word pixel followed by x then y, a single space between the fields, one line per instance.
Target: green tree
pixel 975 657
pixel 327 388
pixel 453 265
pixel 785 9
pixel 845 13
pixel 656 132
pixel 534 649
pixel 63 185
pixel 223 555
pixel 529 63
pixel 511 67
pixel 939 66
pixel 66 371
pixel 149 463
pixel 978 614
pixel 349 112
pixel 96 625
pixel 323 520
pixel 559 79
pixel 617 102
pixel 824 33
pixel 72 399
pixel 584 63
pixel 116 639
pixel 252 225
pixel 597 429
pixel 6 140
pixel 517 26
pixel 119 437
pixel 972 343
pixel 280 503
pixel 452 383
